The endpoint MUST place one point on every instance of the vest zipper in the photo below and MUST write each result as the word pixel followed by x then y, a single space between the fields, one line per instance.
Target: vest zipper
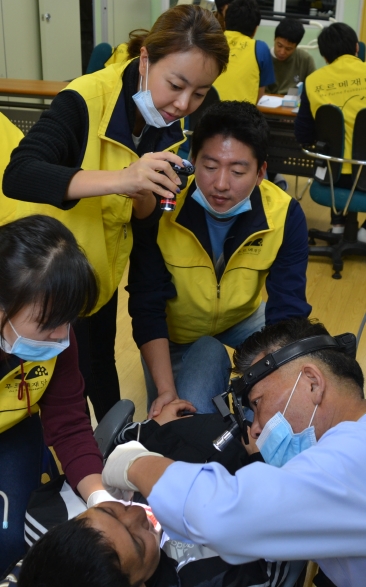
pixel 218 291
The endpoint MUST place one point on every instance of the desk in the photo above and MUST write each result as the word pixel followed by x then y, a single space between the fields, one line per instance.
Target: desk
pixel 25 114
pixel 32 88
pixel 285 154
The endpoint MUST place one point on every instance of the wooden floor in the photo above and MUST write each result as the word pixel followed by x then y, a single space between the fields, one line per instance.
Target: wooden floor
pixel 339 304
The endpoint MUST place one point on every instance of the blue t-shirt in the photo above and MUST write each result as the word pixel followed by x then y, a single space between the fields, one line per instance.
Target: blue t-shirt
pixel 264 59
pixel 218 230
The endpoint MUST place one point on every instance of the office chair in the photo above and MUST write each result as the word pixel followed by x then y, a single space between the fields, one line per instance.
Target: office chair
pixel 100 54
pixel 361 50
pixel 329 157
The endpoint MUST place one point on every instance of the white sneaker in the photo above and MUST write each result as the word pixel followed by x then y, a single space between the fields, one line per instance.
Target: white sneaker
pixel 361 235
pixel 339 230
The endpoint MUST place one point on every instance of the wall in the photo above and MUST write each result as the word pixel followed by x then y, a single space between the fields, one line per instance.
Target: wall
pixel 155 6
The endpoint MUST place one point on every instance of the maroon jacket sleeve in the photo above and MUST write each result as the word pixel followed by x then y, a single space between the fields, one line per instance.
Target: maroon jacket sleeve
pixel 65 423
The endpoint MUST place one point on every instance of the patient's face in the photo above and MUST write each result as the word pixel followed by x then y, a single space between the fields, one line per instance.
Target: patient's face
pixel 131 534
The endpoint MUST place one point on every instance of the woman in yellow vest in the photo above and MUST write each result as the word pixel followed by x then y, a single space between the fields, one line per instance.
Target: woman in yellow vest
pixel 97 155
pixel 46 282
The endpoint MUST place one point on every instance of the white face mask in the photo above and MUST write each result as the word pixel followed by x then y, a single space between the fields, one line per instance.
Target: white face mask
pixel 144 102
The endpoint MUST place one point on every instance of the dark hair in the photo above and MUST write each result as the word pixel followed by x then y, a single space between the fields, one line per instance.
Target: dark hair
pixel 220 4
pixel 74 555
pixel 41 263
pixel 243 16
pixel 336 40
pixel 290 29
pixel 240 120
pixel 181 29
pixel 276 336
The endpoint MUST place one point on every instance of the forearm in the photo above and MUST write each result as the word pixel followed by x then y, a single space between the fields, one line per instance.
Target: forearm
pixel 89 484
pixel 157 358
pixel 86 184
pixel 145 472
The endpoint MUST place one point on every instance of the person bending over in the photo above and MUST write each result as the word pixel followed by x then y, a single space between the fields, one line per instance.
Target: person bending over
pixel 96 155
pixel 46 282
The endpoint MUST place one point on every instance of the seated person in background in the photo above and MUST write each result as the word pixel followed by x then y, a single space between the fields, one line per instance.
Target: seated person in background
pixel 250 66
pixel 291 65
pixel 202 269
pixel 308 500
pixel 341 82
pixel 120 545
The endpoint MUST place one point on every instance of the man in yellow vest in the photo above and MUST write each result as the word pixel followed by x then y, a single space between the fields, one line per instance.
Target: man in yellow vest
pixel 341 82
pixel 196 279
pixel 250 66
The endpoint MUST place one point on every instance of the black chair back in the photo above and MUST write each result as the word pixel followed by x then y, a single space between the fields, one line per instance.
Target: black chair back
pixel 359 148
pixel 329 123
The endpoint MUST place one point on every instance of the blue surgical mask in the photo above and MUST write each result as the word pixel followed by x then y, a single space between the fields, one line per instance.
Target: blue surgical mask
pixel 144 102
pixel 35 350
pixel 243 206
pixel 278 443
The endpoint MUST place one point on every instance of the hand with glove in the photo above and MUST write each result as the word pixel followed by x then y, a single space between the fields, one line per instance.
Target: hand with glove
pixel 115 472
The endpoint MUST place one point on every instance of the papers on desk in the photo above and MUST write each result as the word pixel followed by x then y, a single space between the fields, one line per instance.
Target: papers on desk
pixel 270 101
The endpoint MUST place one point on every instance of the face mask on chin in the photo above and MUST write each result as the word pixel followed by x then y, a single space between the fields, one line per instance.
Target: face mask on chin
pixel 242 206
pixel 28 349
pixel 144 102
pixel 278 443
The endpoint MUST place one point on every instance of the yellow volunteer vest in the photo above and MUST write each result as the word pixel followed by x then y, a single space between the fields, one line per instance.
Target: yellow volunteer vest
pixel 10 135
pixel 119 55
pixel 100 224
pixel 203 306
pixel 342 83
pixel 241 79
pixel 38 376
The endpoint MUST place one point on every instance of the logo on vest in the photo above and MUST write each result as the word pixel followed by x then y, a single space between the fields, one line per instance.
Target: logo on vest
pixel 38 371
pixel 37 377
pixel 253 247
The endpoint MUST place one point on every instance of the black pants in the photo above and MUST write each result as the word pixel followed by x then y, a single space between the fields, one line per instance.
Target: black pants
pixel 95 336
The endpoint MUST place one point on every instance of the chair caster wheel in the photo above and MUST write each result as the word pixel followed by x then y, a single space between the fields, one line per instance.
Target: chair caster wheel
pixel 311 241
pixel 337 275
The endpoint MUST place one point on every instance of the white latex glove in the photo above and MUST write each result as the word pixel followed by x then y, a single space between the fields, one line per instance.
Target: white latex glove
pixel 98 497
pixel 114 476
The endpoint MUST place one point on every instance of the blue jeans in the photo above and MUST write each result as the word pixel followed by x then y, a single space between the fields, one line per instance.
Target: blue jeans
pixel 21 456
pixel 202 369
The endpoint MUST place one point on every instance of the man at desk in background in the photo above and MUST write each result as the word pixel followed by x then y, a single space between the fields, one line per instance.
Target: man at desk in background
pixel 291 65
pixel 341 82
pixel 250 66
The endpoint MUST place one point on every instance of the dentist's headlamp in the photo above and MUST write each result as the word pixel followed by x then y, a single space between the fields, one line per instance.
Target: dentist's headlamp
pixel 240 387
pixel 345 343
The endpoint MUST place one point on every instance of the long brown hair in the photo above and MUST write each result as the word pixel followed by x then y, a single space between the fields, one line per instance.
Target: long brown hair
pixel 180 29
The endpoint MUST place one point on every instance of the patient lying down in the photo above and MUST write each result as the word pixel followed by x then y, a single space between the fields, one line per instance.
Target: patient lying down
pixel 120 545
